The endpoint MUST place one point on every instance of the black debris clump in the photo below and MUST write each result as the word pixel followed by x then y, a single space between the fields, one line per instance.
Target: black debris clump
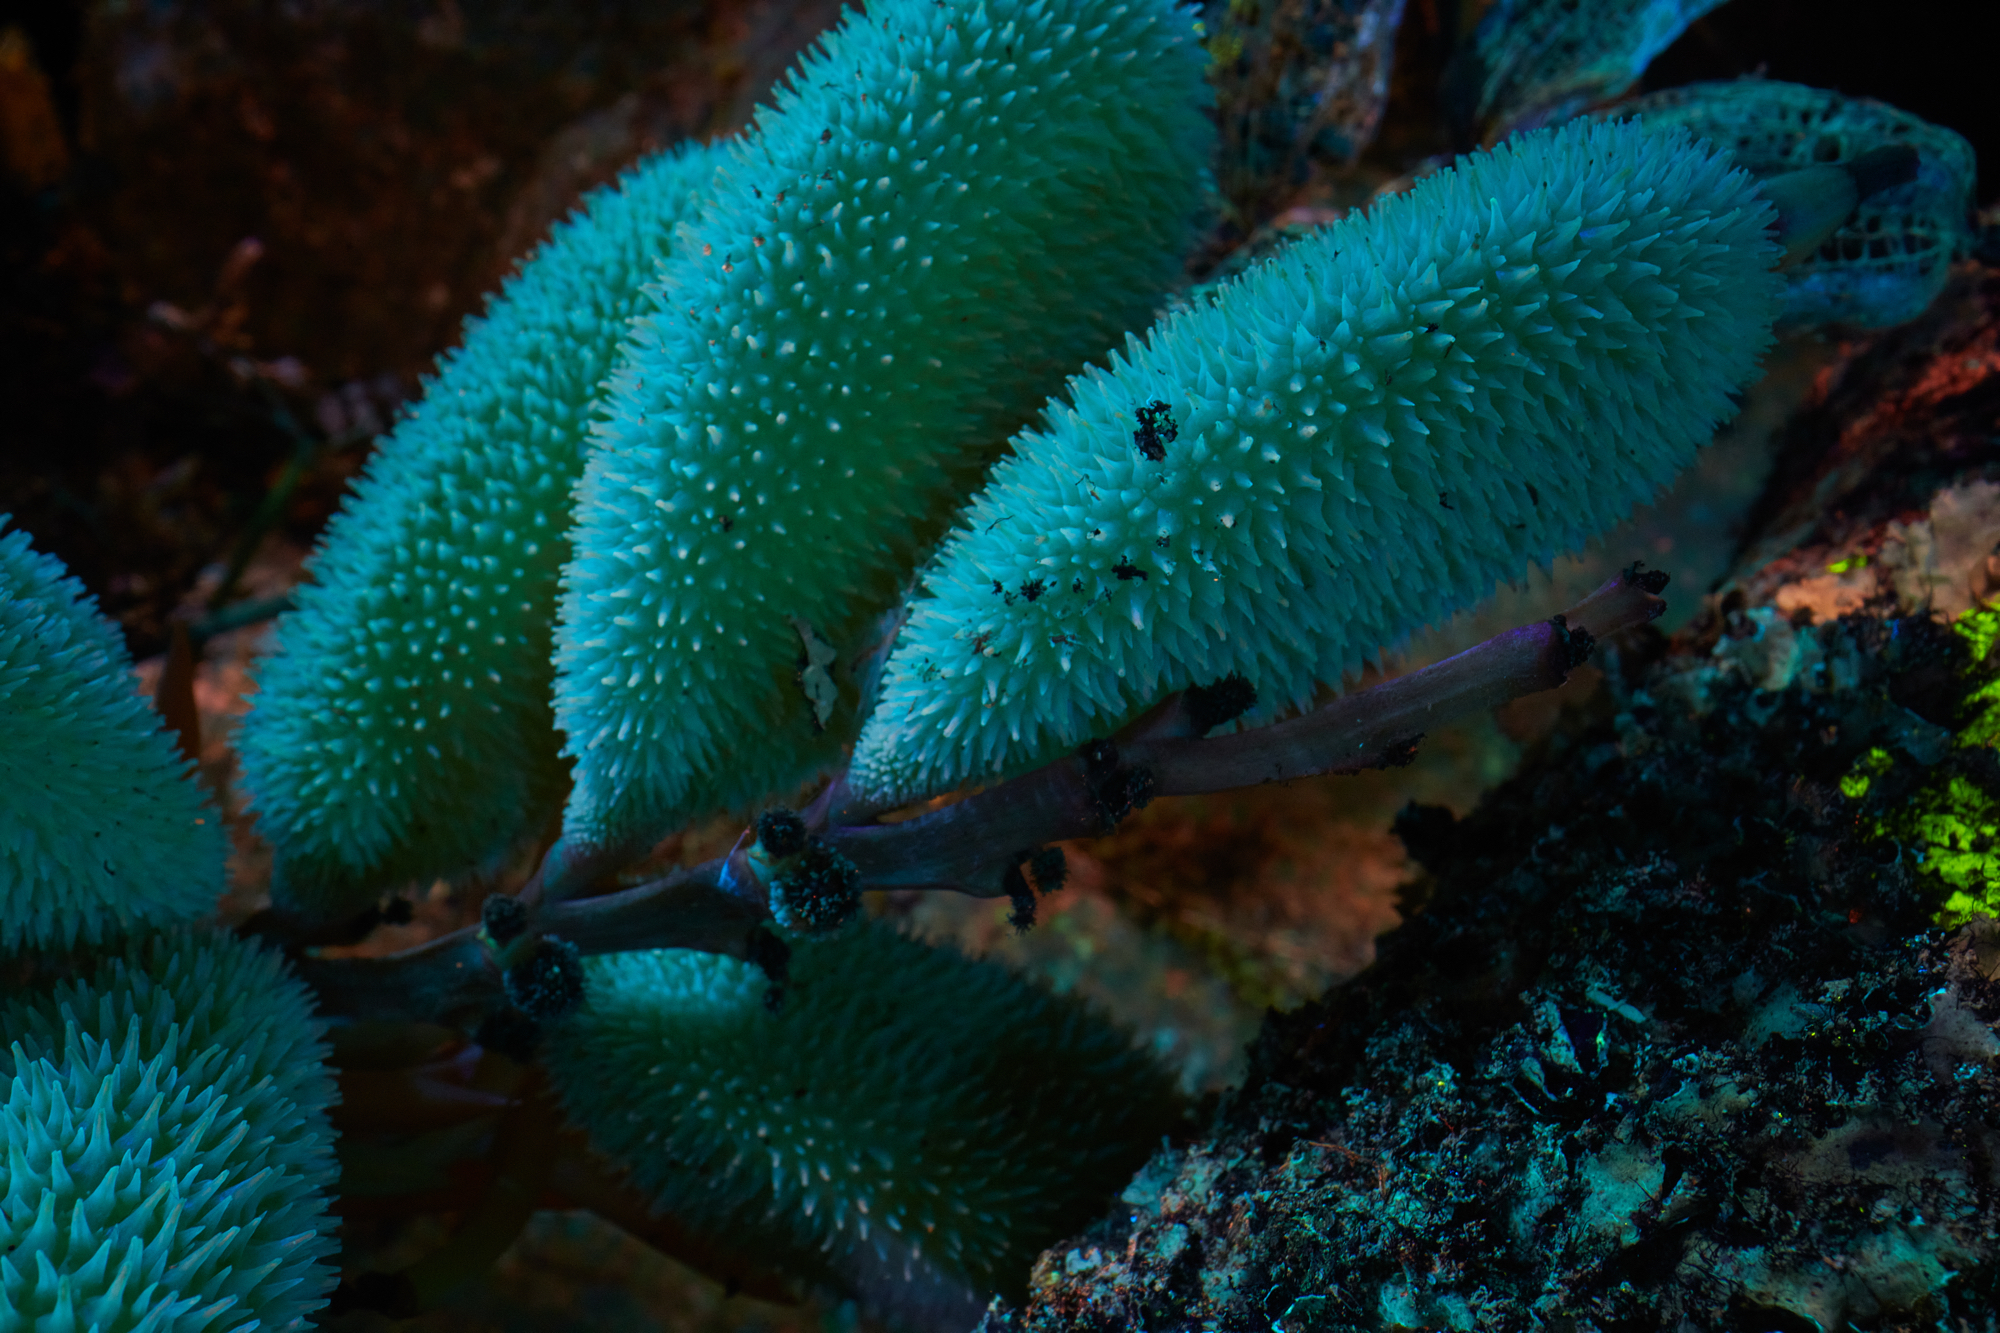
pixel 1209 706
pixel 1157 429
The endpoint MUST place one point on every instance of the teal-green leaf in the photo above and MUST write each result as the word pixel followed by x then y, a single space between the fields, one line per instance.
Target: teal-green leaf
pixel 102 827
pixel 168 1154
pixel 952 206
pixel 907 1124
pixel 402 727
pixel 1374 427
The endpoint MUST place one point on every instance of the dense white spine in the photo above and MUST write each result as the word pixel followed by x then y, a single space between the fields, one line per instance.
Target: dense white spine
pixel 402 726
pixel 168 1152
pixel 952 206
pixel 1373 428
pixel 102 827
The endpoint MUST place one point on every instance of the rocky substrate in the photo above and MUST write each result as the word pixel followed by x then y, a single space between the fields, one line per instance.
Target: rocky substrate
pixel 1670 1041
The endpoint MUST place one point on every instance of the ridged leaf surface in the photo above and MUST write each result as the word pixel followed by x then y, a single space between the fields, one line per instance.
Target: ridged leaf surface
pixel 906 1117
pixel 168 1152
pixel 402 727
pixel 950 208
pixel 102 827
pixel 1374 427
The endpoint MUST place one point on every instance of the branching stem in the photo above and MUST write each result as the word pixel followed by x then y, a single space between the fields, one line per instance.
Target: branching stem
pixel 969 847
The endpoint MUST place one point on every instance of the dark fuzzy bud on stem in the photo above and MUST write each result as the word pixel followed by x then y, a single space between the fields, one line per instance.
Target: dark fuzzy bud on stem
pixel 503 917
pixel 773 957
pixel 511 1033
pixel 548 983
pixel 1047 868
pixel 781 833
pixel 1050 868
pixel 1020 893
pixel 818 893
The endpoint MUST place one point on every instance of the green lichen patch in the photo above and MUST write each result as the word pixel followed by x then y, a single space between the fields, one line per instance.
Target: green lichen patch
pixel 1943 810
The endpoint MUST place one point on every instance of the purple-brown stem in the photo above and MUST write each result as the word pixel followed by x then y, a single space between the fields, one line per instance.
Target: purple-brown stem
pixel 455 977
pixel 969 847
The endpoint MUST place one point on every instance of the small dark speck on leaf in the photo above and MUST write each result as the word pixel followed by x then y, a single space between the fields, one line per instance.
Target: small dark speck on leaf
pixel 1156 431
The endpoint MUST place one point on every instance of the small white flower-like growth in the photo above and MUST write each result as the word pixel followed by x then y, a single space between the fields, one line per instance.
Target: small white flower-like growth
pixel 1368 432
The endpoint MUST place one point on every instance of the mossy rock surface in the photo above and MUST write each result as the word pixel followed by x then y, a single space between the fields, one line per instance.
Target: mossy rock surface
pixel 1671 1039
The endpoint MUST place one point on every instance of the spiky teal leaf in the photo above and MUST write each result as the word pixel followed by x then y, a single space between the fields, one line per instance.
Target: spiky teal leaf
pixel 101 824
pixel 1374 427
pixel 953 205
pixel 907 1120
pixel 168 1153
pixel 402 729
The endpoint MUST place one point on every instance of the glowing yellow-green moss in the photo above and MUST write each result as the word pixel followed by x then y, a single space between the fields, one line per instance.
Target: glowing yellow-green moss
pixel 1866 769
pixel 1959 823
pixel 1958 826
pixel 1952 823
pixel 1980 629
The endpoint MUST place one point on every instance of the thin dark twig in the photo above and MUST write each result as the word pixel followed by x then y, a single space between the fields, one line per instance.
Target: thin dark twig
pixel 239 615
pixel 305 448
